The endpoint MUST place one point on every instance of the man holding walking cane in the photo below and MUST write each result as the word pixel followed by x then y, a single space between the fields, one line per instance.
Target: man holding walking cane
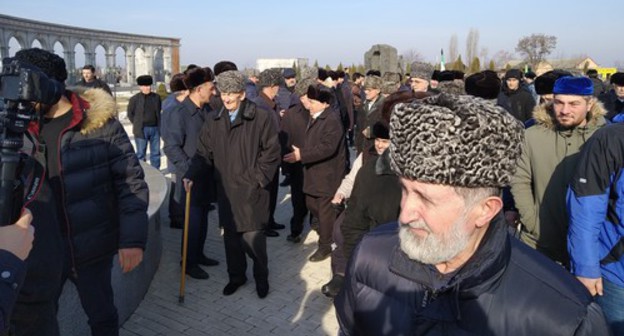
pixel 240 143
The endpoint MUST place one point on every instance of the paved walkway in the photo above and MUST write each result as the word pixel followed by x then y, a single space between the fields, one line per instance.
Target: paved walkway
pixel 294 306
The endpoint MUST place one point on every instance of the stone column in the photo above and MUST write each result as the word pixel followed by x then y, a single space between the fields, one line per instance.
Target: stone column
pixel 130 73
pixel 110 67
pixel 167 64
pixel 70 61
pixel 149 61
pixel 90 58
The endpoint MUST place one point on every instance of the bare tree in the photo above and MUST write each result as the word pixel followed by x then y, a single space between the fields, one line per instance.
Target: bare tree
pixel 483 55
pixel 411 55
pixel 502 57
pixel 452 51
pixel 534 48
pixel 472 44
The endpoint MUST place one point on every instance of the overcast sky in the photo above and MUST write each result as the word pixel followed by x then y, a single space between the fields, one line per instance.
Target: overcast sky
pixel 341 30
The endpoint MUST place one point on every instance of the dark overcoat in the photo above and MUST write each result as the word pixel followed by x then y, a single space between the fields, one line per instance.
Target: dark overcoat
pixel 323 156
pixel 245 155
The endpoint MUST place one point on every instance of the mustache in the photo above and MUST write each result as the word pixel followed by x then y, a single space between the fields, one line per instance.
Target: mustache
pixel 416 225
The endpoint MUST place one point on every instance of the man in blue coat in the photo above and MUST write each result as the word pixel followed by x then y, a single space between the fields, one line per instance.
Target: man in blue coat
pixel 596 234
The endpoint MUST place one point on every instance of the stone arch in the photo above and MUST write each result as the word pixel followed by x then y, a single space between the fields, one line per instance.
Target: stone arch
pixel 36 44
pixel 16 42
pixel 42 41
pixel 100 60
pixel 140 63
pixel 159 65
pixel 121 72
pixel 58 48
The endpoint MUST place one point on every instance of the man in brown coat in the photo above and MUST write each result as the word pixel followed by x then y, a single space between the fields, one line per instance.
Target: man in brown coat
pixel 323 161
pixel 240 142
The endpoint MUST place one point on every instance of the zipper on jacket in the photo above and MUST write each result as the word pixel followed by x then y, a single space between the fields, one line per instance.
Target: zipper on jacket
pixel 430 296
pixel 74 273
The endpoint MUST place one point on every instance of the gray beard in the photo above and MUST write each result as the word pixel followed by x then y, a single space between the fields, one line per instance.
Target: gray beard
pixel 434 248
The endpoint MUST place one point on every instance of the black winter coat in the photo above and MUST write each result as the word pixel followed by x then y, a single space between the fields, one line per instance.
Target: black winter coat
pixel 612 104
pixel 519 103
pixel 105 196
pixel 367 117
pixel 323 156
pixel 45 262
pixel 137 105
pixel 375 200
pixel 245 155
pixel 293 132
pixel 506 288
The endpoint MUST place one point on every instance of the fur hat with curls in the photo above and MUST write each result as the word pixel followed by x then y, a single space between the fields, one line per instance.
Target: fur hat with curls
pixel 455 140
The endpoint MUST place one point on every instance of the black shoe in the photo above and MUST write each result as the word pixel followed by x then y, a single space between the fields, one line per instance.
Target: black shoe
pixel 320 255
pixel 262 288
pixel 294 239
pixel 332 288
pixel 203 260
pixel 276 226
pixel 271 233
pixel 232 287
pixel 286 181
pixel 196 272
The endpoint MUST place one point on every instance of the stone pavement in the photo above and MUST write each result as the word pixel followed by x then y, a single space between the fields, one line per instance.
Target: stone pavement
pixel 294 306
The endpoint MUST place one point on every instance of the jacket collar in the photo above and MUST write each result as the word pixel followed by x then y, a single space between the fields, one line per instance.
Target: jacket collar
pixel 480 273
pixel 382 165
pixel 91 109
pixel 544 115
pixel 247 110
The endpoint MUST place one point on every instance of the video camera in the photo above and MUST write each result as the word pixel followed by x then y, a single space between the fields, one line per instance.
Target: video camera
pixel 22 85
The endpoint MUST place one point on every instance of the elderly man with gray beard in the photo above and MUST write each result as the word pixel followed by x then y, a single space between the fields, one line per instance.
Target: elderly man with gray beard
pixel 450 267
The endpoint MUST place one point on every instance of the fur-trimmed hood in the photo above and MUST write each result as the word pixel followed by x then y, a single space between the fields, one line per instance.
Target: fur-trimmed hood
pixel 99 107
pixel 545 115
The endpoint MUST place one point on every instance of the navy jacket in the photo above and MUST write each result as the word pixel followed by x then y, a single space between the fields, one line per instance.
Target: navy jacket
pixel 105 196
pixel 506 288
pixel 183 127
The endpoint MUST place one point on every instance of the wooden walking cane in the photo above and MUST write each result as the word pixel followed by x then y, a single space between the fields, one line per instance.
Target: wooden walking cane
pixel 187 211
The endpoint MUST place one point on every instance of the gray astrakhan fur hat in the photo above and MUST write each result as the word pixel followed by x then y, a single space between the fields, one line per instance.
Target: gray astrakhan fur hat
pixel 373 82
pixel 231 81
pixel 421 70
pixel 454 140
pixel 301 88
pixel 270 77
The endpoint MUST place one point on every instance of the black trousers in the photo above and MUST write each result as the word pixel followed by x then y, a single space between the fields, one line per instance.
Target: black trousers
pixel 93 283
pixel 321 208
pixel 273 190
pixel 338 260
pixel 251 243
pixel 198 230
pixel 298 199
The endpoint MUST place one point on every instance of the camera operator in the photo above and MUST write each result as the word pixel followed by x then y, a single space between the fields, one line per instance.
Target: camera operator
pixel 97 188
pixel 15 244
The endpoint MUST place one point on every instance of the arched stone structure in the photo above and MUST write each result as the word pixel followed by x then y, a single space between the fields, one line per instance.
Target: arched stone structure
pixel 160 55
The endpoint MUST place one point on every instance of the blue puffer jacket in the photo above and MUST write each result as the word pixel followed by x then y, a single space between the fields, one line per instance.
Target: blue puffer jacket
pixel 105 196
pixel 596 207
pixel 506 288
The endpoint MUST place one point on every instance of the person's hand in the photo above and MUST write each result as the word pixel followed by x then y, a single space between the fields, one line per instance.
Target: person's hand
pixel 18 238
pixel 281 113
pixel 594 286
pixel 129 258
pixel 338 198
pixel 294 156
pixel 188 184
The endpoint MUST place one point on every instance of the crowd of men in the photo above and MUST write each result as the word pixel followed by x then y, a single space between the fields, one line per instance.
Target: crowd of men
pixel 487 204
